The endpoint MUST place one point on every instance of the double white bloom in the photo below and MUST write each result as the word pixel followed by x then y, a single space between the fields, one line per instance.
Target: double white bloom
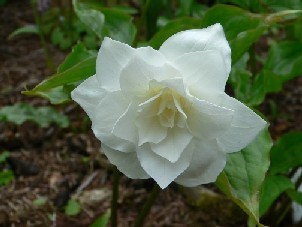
pixel 164 114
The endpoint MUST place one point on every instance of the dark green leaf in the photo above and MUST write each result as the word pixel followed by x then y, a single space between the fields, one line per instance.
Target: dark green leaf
pixel 101 221
pixel 6 176
pixel 287 153
pixel 43 116
pixel 151 12
pixel 173 27
pixel 295 195
pixel 244 174
pixel 72 208
pixel 285 59
pixel 273 186
pixel 242 28
pixel 278 5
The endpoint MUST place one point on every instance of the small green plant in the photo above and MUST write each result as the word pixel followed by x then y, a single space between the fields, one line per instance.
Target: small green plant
pixel 72 208
pixel 6 175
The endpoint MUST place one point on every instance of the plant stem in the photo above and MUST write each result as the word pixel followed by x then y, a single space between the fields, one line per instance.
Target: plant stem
pixel 147 206
pixel 49 60
pixel 116 177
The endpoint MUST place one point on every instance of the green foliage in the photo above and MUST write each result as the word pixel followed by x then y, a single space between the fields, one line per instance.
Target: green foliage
pixel 3 156
pixel 244 173
pixel 6 176
pixel 72 208
pixel 101 221
pixel 43 116
pixel 273 186
pixel 40 201
pixel 27 29
pixel 286 154
pixel 78 65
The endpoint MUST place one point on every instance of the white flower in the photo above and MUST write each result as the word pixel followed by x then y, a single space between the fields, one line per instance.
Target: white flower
pixel 164 114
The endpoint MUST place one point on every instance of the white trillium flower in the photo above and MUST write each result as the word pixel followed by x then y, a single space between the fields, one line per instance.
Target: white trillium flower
pixel 164 113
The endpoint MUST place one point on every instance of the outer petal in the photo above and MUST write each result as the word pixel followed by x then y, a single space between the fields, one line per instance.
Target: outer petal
pixel 107 113
pixel 124 127
pixel 207 120
pixel 207 162
pixel 88 94
pixel 137 74
pixel 203 71
pixel 160 169
pixel 210 38
pixel 112 58
pixel 244 128
pixel 173 145
pixel 127 163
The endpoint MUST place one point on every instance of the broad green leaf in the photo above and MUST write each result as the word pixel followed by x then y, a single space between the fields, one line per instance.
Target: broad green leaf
pixel 295 195
pixel 117 24
pixel 72 208
pixel 6 176
pixel 286 153
pixel 28 29
pixel 56 95
pixel 94 19
pixel 43 116
pixel 3 156
pixel 285 59
pixel 101 221
pixel 242 28
pixel 171 28
pixel 273 186
pixel 243 176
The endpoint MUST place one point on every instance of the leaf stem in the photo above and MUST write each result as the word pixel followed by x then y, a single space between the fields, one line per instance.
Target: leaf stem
pixel 147 206
pixel 115 194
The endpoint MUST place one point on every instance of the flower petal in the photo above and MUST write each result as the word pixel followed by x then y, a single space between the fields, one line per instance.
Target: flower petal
pixel 88 94
pixel 207 163
pixel 150 130
pixel 127 163
pixel 173 145
pixel 112 58
pixel 244 128
pixel 207 120
pixel 160 169
pixel 210 38
pixel 203 71
pixel 109 110
pixel 124 127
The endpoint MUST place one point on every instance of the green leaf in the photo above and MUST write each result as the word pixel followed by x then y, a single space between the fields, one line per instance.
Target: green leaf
pixel 78 65
pixel 244 174
pixel 171 28
pixel 72 208
pixel 102 221
pixel 285 59
pixel 3 156
pixel 295 195
pixel 287 153
pixel 28 29
pixel 252 5
pixel 151 12
pixel 273 186
pixel 278 5
pixel 94 19
pixel 6 176
pixel 40 201
pixel 43 116
pixel 117 24
pixel 242 28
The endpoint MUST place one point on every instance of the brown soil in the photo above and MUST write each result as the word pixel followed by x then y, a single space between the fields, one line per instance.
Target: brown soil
pixel 60 164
